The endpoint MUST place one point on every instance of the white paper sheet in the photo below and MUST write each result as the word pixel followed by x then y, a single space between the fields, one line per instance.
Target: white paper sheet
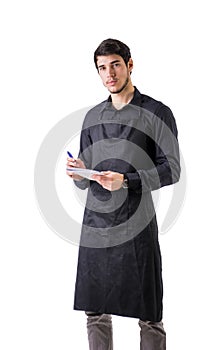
pixel 87 173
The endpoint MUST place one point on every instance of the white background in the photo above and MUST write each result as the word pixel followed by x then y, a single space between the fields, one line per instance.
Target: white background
pixel 47 72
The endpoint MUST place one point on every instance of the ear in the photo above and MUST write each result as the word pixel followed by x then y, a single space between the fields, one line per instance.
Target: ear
pixel 130 65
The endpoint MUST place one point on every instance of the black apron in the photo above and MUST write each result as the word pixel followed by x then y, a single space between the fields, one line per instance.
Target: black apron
pixel 119 266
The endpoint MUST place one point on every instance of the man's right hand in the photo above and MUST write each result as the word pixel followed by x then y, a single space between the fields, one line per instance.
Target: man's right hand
pixel 75 163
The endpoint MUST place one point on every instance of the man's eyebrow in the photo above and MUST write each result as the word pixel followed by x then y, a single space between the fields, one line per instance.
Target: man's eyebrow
pixel 112 62
pixel 115 61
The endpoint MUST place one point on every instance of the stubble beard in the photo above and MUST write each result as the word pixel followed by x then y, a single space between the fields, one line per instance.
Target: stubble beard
pixel 122 88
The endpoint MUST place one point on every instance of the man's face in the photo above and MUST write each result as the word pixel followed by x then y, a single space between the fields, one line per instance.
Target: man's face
pixel 114 73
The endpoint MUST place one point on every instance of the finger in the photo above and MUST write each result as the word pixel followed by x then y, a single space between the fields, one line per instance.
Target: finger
pixel 107 172
pixel 96 177
pixel 78 163
pixel 71 163
pixel 69 174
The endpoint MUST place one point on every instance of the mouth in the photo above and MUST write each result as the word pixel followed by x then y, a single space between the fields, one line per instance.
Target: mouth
pixel 111 82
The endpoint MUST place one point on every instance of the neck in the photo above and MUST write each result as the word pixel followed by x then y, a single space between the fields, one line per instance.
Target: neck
pixel 124 97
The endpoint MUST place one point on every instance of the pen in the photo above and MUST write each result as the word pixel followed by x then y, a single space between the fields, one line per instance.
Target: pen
pixel 69 154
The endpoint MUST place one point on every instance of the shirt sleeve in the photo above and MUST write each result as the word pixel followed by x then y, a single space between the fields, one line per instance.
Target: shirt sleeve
pixel 85 156
pixel 166 162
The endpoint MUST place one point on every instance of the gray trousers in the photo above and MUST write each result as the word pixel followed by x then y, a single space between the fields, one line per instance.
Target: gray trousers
pixel 100 333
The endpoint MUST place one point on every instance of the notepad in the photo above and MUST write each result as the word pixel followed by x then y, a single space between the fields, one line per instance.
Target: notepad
pixel 87 173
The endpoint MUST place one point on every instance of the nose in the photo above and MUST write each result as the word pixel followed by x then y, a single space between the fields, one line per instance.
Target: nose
pixel 110 71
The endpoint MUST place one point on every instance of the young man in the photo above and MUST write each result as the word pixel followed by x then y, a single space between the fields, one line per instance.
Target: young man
pixel 132 139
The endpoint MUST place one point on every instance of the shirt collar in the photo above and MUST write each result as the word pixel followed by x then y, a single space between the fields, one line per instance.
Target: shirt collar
pixel 136 101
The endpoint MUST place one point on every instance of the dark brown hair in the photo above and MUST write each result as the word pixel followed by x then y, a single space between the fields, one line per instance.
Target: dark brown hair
pixel 112 47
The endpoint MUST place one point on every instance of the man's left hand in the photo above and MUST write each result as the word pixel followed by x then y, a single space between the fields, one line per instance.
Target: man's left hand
pixel 110 180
